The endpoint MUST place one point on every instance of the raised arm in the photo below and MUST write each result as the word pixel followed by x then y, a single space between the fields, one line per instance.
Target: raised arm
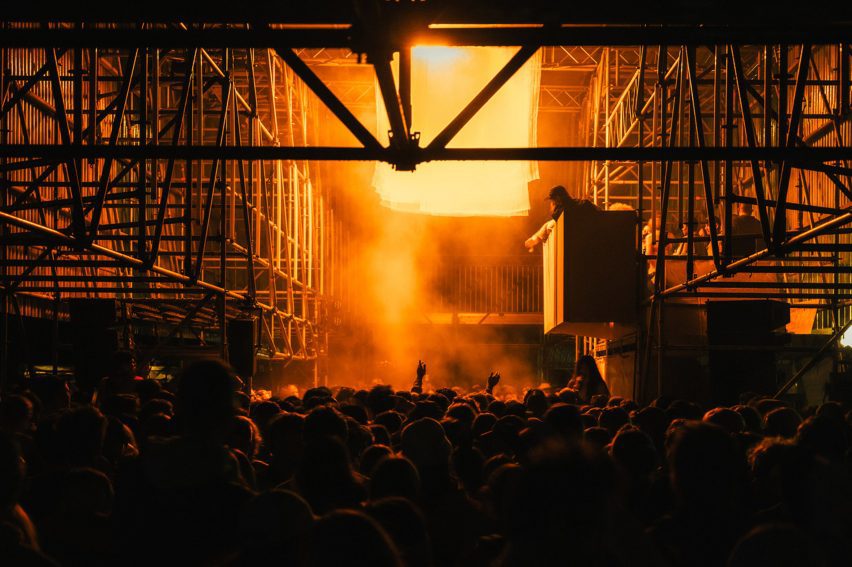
pixel 493 380
pixel 417 388
pixel 540 236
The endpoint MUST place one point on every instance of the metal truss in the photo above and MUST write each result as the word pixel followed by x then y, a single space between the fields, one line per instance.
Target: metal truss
pixel 183 243
pixel 565 75
pixel 173 170
pixel 732 97
pixel 706 101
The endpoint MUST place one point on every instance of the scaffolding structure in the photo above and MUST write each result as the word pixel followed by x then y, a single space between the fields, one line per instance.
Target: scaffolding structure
pixel 729 96
pixel 181 244
pixel 139 162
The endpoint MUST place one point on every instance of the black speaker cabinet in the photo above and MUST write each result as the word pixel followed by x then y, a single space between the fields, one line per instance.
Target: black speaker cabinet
pixel 742 336
pixel 94 331
pixel 241 346
pixel 745 319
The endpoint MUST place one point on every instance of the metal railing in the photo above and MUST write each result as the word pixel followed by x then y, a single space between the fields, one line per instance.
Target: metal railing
pixel 507 287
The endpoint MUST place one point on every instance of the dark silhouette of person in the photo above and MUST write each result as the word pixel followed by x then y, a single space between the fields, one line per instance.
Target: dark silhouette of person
pixel 707 471
pixel 195 472
pixel 587 380
pixel 348 537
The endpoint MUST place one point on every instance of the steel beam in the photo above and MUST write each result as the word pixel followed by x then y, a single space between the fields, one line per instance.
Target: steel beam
pixel 336 37
pixel 400 133
pixel 329 98
pixel 130 262
pixel 789 244
pixel 796 156
pixel 488 91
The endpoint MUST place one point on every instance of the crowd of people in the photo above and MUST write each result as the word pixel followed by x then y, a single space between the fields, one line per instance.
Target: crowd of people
pixel 196 472
pixel 745 229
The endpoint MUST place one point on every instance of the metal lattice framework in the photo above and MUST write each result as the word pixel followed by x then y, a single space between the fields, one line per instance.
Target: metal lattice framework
pixel 170 163
pixel 183 243
pixel 732 96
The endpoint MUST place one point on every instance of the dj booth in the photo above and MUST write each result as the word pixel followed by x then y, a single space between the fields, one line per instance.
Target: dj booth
pixel 591 274
pixel 713 349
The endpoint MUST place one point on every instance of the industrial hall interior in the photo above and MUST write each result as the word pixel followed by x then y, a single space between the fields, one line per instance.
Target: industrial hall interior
pixel 426 283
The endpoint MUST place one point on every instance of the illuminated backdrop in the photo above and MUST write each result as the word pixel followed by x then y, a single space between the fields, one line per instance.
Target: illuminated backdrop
pixel 443 81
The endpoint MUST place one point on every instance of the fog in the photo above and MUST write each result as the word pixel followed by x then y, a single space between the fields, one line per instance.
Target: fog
pixel 398 270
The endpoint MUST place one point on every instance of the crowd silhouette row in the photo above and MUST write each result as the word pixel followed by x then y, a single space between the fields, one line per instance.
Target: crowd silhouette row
pixel 196 472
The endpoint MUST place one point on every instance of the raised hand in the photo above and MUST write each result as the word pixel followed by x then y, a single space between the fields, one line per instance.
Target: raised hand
pixel 493 380
pixel 418 381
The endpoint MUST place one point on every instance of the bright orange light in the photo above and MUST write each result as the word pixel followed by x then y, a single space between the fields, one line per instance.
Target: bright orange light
pixel 443 81
pixel 436 55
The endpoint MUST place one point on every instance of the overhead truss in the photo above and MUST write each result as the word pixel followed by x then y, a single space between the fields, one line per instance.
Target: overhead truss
pixel 174 157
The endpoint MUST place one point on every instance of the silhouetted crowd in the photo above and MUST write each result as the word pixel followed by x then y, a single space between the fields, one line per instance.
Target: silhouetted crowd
pixel 196 472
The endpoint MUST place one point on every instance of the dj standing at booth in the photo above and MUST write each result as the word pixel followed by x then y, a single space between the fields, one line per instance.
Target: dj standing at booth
pixel 559 201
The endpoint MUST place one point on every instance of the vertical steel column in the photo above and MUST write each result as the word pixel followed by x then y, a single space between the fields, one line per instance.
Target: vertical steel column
pixel 641 336
pixel 698 132
pixel 640 117
pixel 265 202
pixel 4 299
pixel 751 138
pixel 667 178
pixel 695 124
pixel 57 302
pixel 237 136
pixel 659 117
pixel 215 176
pixel 835 296
pixel 199 179
pixel 596 79
pixel 843 80
pixel 660 272
pixel 142 181
pixel 780 225
pixel 254 171
pixel 717 124
pixel 767 100
pixel 683 124
pixel 607 140
pixel 155 131
pixel 93 97
pixel 179 118
pixel 729 165
pixel 227 84
pixel 77 73
pixel 782 93
pixel 192 101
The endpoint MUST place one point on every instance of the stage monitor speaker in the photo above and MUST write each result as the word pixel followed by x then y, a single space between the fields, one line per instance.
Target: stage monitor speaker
pixel 743 319
pixel 94 331
pixel 241 346
pixel 740 335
